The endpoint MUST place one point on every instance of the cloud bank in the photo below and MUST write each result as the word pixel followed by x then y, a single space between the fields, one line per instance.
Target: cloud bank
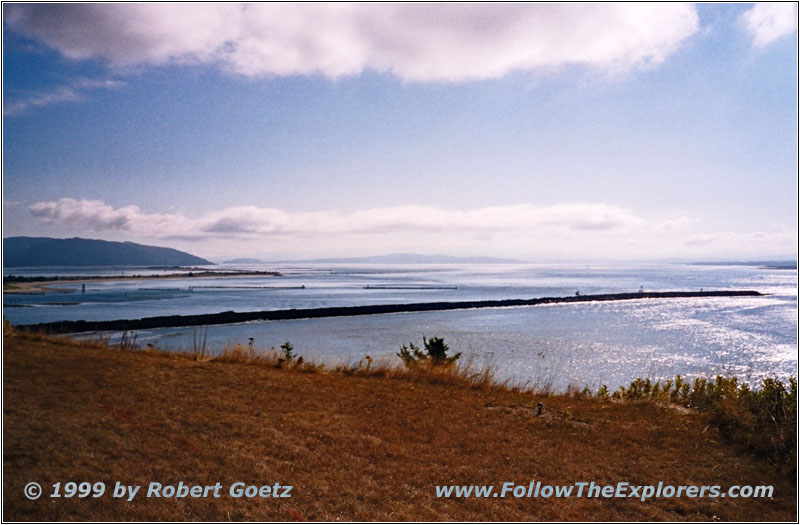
pixel 247 221
pixel 577 231
pixel 768 22
pixel 415 42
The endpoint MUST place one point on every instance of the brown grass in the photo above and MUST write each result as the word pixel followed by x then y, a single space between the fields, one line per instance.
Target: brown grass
pixel 365 442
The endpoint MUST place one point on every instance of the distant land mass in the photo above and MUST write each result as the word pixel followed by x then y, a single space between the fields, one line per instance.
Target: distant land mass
pixel 47 251
pixel 771 265
pixel 415 258
pixel 245 261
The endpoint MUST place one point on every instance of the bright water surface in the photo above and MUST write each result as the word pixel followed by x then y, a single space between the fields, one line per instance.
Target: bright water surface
pixel 586 344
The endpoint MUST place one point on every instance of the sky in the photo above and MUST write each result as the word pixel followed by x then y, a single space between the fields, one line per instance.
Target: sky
pixel 543 132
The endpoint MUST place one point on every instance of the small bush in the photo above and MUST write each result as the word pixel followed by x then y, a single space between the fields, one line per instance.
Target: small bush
pixel 435 353
pixel 287 352
pixel 410 354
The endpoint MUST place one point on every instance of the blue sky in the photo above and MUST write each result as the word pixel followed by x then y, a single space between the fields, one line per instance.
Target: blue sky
pixel 537 131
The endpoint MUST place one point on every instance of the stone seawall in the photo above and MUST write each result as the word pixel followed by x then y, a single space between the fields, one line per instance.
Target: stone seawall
pixel 65 327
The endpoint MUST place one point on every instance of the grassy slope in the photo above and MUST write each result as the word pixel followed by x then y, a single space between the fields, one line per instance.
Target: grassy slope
pixel 355 448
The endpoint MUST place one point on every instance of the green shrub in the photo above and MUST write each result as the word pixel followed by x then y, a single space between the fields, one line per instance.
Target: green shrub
pixel 435 353
pixel 287 351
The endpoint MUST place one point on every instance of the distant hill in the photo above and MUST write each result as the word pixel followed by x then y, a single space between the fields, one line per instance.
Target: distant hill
pixel 46 251
pixel 772 264
pixel 244 261
pixel 415 258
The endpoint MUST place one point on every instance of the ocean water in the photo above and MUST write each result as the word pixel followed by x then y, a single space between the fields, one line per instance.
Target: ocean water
pixel 586 344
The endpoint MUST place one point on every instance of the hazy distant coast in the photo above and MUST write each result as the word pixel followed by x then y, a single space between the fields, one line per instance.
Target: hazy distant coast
pixel 391 258
pixel 23 285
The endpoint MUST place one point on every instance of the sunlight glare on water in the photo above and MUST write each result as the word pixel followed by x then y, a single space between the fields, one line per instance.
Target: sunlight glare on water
pixel 582 344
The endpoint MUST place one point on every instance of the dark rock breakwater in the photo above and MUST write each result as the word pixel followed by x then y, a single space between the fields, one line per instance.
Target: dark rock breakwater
pixel 229 317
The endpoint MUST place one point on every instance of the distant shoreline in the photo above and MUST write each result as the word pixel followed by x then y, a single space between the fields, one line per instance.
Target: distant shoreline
pixel 37 285
pixel 231 317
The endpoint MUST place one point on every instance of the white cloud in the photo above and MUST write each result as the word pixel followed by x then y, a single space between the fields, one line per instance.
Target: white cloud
pixel 96 215
pixel 578 231
pixel 74 92
pixel 416 42
pixel 770 21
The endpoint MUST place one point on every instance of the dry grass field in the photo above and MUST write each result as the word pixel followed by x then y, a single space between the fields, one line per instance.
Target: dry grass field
pixel 353 446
